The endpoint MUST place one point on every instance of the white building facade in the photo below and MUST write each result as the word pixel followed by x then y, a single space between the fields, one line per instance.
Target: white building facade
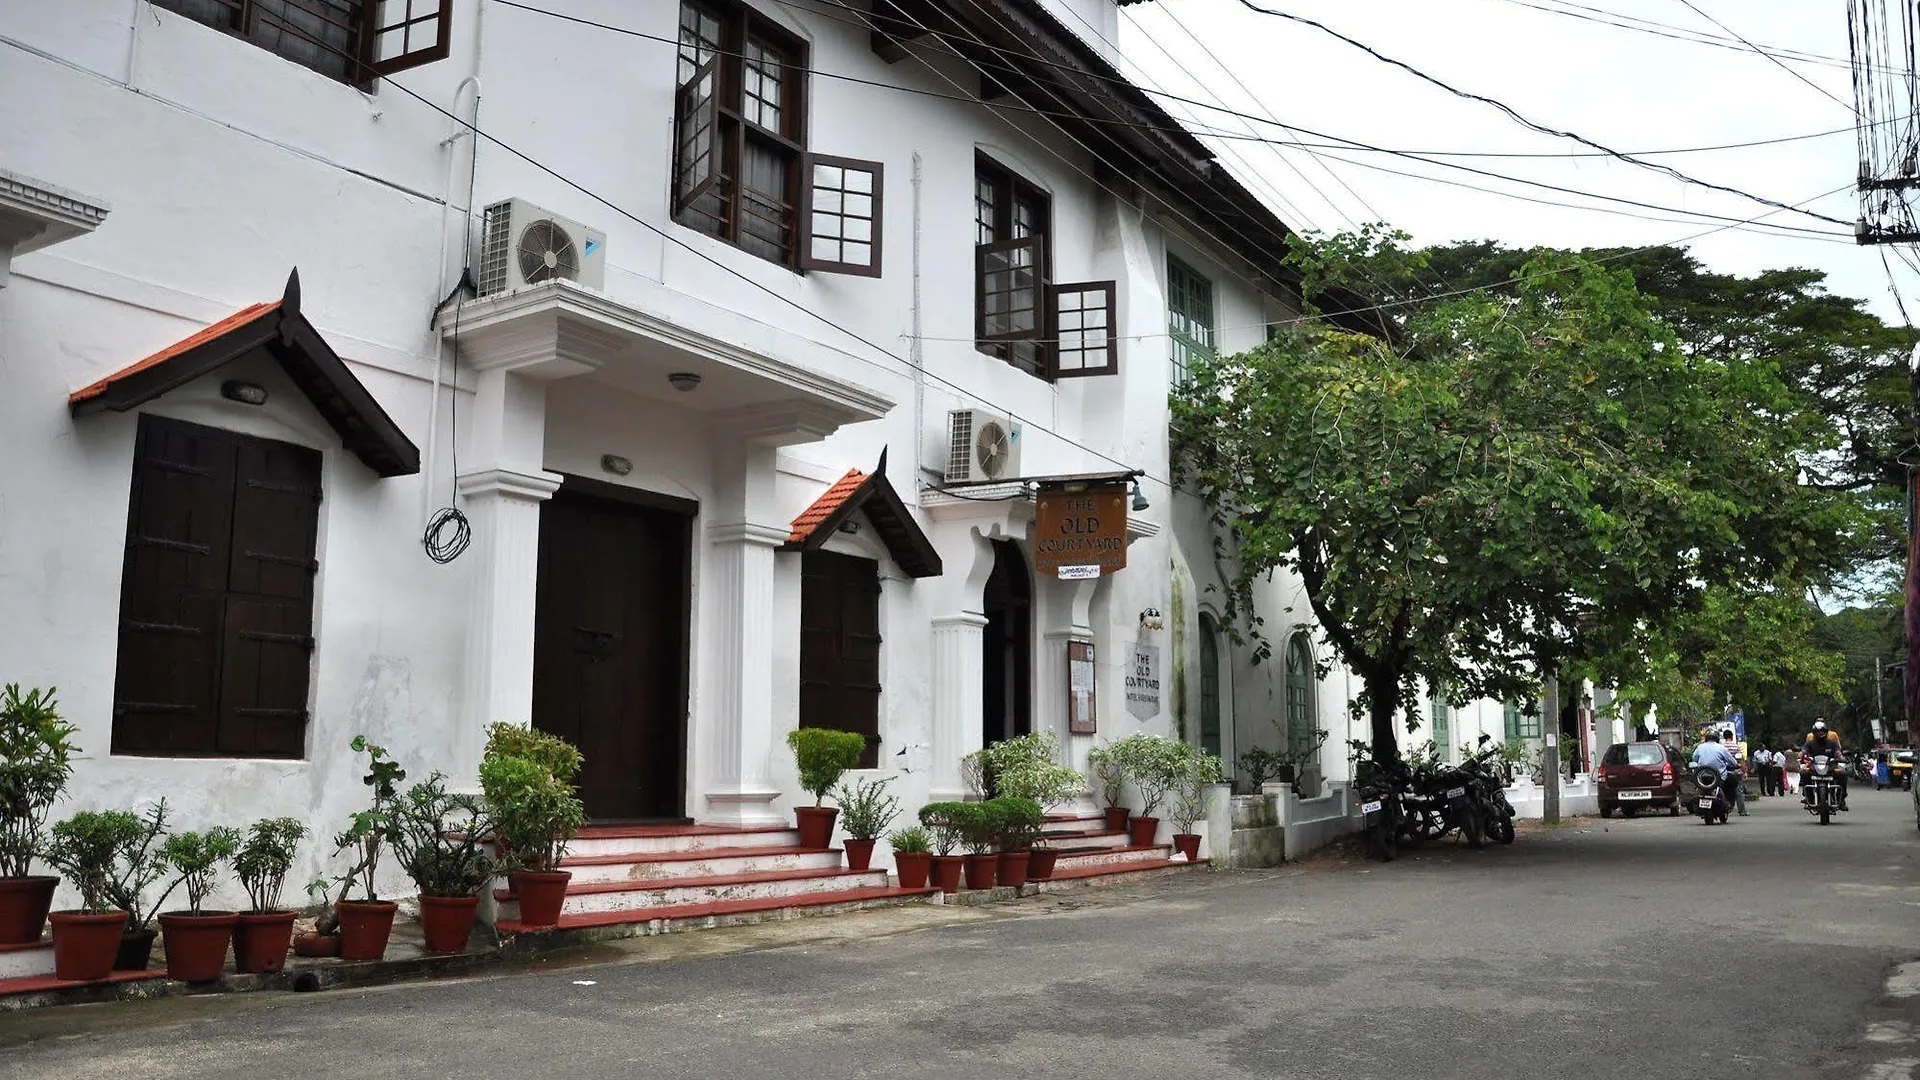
pixel 736 265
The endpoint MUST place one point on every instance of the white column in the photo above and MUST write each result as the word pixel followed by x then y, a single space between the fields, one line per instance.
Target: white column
pixel 959 641
pixel 738 641
pixel 501 494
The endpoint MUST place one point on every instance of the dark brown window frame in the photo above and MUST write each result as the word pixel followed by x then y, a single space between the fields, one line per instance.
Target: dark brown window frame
pixel 221 725
pixel 1070 337
pixel 363 19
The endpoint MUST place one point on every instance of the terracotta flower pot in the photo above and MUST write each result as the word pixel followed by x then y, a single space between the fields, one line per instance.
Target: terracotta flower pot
pixel 84 944
pixel 1142 830
pixel 946 872
pixel 859 854
pixel 1187 844
pixel 447 921
pixel 316 945
pixel 24 902
pixel 816 825
pixel 136 950
pixel 981 871
pixel 197 944
pixel 260 940
pixel 912 867
pixel 1116 817
pixel 541 893
pixel 365 926
pixel 1013 868
pixel 1040 867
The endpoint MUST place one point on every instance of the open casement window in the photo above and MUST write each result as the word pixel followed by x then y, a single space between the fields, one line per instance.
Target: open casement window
pixel 1083 330
pixel 353 41
pixel 697 183
pixel 216 595
pixel 840 215
pixel 1010 294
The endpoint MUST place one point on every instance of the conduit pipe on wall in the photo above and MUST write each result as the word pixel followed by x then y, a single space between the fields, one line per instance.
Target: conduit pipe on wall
pixel 917 361
pixel 440 341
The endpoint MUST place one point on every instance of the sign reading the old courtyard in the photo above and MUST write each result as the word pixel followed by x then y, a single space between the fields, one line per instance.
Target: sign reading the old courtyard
pixel 1143 681
pixel 1078 529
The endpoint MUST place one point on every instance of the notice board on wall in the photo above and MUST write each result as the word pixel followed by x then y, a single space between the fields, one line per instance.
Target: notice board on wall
pixel 1080 678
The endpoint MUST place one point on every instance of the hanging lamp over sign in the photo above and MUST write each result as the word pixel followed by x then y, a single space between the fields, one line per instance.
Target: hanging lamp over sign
pixel 1080 529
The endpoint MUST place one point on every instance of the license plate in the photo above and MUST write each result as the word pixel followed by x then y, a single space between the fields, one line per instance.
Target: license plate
pixel 1633 795
pixel 1372 807
pixel 1706 804
pixel 1454 793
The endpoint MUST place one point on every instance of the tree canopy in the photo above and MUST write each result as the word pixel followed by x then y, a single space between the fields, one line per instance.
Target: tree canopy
pixel 1524 476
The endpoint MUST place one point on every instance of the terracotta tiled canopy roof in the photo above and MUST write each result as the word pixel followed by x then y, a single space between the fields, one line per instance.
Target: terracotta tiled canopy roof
pixel 856 491
pixel 278 330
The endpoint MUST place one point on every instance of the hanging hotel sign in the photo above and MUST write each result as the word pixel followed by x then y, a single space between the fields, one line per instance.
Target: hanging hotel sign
pixel 1080 531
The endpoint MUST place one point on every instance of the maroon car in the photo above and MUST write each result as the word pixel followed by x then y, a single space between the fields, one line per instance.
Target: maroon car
pixel 1636 776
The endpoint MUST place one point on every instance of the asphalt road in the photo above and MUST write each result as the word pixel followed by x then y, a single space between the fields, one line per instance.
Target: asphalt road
pixel 1652 948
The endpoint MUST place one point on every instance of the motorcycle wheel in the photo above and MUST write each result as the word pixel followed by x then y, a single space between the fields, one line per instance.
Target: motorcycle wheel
pixel 1825 815
pixel 1503 828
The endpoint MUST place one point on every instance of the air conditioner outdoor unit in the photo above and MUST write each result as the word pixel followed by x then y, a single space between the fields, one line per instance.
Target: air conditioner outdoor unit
pixel 522 245
pixel 981 447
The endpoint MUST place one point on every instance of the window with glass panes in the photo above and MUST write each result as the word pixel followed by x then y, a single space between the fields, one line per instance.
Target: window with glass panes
pixel 354 41
pixel 1010 222
pixel 1189 317
pixel 1442 723
pixel 1519 724
pixel 1209 685
pixel 1300 719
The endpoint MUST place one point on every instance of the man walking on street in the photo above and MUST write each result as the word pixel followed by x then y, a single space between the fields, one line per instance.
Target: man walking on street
pixel 1763 767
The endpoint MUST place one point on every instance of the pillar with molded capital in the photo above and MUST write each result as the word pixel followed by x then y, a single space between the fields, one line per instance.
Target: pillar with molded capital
pixel 959 644
pixel 738 643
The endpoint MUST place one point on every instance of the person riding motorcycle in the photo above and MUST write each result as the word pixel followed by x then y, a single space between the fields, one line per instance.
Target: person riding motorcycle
pixel 1711 753
pixel 1822 741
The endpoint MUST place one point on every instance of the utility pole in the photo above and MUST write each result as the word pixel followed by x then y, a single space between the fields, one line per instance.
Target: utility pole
pixel 1550 768
pixel 1879 702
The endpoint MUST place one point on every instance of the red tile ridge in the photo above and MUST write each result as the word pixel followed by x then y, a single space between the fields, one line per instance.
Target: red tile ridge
pixel 225 326
pixel 824 506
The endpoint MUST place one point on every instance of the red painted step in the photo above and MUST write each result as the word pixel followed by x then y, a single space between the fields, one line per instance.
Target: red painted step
pixel 724 907
pixel 686 856
pixel 34 984
pixel 1116 869
pixel 651 884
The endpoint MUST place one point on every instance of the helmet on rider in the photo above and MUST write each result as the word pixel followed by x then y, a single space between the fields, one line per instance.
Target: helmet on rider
pixel 1819 725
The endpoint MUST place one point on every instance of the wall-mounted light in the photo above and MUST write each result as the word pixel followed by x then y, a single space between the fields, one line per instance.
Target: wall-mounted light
pixel 1151 619
pixel 616 464
pixel 684 381
pixel 1139 497
pixel 850 527
pixel 245 393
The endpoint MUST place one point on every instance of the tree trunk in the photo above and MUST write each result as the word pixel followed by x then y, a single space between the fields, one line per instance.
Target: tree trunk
pixel 1383 700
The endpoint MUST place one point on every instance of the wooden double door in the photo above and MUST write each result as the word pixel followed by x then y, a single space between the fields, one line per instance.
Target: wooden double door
pixel 610 663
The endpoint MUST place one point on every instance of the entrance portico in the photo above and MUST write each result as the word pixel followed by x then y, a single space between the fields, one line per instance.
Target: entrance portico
pixel 744 404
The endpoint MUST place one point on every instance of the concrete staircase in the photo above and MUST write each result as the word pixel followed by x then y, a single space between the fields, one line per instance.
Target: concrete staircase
pixel 31 960
pixel 1088 849
pixel 637 874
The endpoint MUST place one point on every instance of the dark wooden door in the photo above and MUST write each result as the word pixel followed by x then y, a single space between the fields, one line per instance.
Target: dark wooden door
pixel 1006 666
pixel 610 650
pixel 840 646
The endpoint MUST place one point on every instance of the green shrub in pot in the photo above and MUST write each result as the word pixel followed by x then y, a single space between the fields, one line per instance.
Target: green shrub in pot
pixel 867 808
pixel 823 756
pixel 439 838
pixel 943 822
pixel 264 859
pixel 36 761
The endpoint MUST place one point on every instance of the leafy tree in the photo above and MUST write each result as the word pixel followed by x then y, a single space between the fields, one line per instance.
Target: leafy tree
pixel 1516 480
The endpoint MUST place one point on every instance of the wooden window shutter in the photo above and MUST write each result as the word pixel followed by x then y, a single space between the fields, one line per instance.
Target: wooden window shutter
pixel 179 527
pixel 1083 330
pixel 266 650
pixel 840 215
pixel 696 134
pixel 840 646
pixel 1010 290
pixel 405 34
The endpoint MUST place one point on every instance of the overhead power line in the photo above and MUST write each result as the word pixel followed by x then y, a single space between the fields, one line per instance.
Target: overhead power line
pixel 1823 91
pixel 1676 33
pixel 1519 118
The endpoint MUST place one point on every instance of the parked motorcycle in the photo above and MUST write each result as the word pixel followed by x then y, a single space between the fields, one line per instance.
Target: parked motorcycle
pixel 1714 800
pixel 1820 787
pixel 1490 779
pixel 1380 810
pixel 1860 766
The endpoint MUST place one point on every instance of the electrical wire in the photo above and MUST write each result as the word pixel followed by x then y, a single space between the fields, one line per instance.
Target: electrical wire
pixel 1524 121
pixel 1660 29
pixel 1781 64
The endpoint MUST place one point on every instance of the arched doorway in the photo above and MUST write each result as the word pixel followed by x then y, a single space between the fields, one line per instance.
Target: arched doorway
pixel 1007 668
pixel 1210 687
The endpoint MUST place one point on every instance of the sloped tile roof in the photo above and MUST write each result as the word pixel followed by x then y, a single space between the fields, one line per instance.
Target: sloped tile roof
pixel 225 326
pixel 825 506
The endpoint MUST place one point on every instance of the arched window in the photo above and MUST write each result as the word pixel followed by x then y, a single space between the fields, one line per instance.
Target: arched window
pixel 1209 684
pixel 1300 718
pixel 1442 723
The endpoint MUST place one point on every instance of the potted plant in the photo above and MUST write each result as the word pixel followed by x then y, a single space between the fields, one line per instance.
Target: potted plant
pixel 943 824
pixel 324 938
pixel 527 779
pixel 1016 821
pixel 36 759
pixel 1190 799
pixel 264 858
pixel 1048 784
pixel 823 755
pixel 197 939
pixel 446 859
pixel 364 925
pixel 1154 765
pixel 911 858
pixel 978 833
pixel 1110 776
pixel 867 808
pixel 138 865
pixel 86 848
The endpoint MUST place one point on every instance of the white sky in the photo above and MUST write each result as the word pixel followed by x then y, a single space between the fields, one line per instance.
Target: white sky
pixel 1630 90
